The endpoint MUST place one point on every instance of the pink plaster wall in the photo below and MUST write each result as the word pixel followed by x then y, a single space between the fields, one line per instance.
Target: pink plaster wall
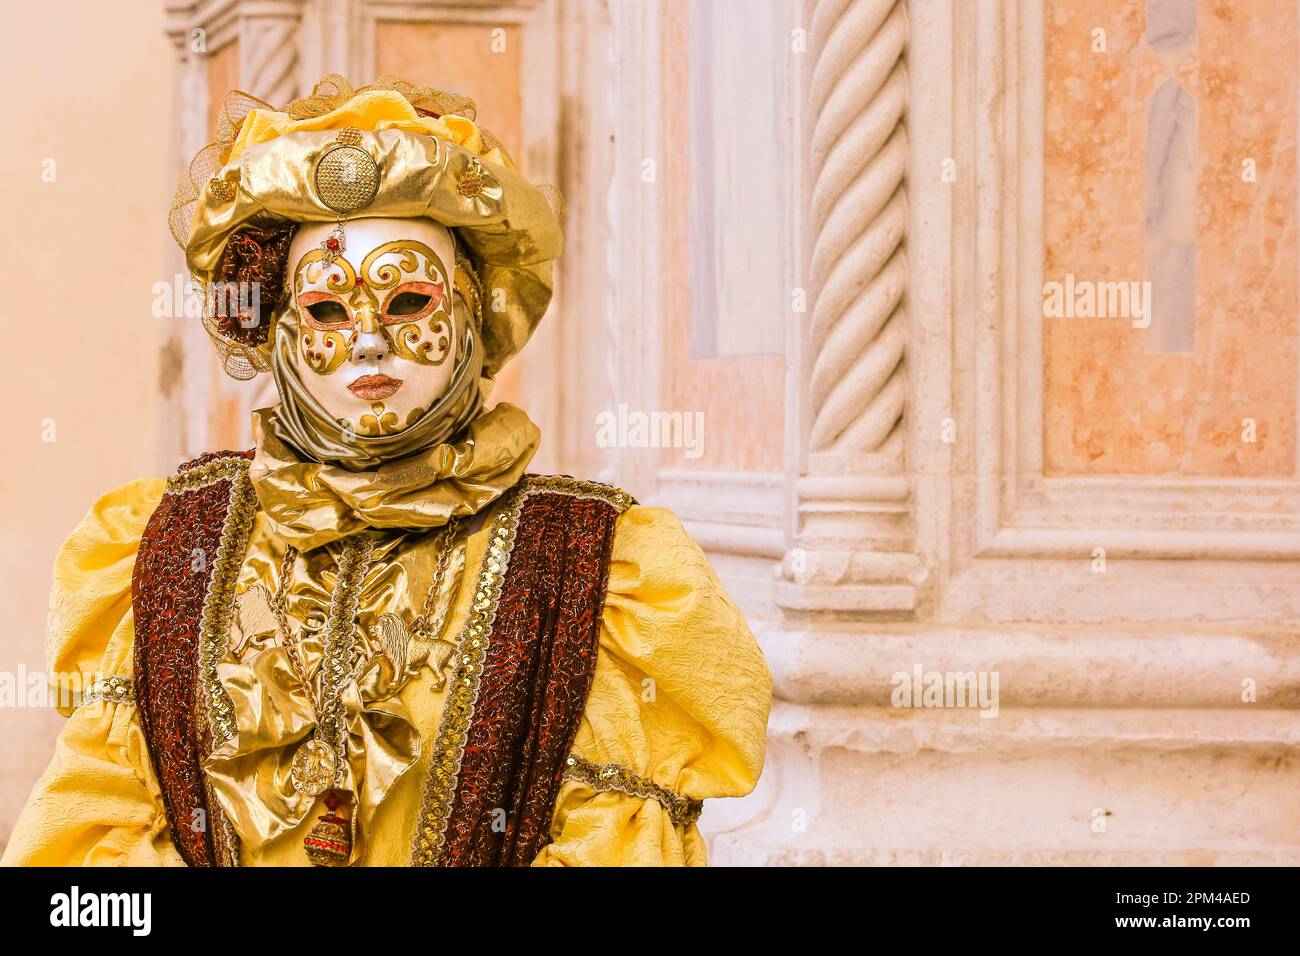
pixel 1111 405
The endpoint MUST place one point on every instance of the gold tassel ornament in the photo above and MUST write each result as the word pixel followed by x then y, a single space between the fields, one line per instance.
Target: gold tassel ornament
pixel 330 840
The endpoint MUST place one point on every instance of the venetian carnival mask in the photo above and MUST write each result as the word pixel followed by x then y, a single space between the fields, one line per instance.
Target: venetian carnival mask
pixel 376 344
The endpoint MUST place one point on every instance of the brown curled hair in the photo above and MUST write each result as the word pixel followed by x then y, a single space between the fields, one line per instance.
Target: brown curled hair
pixel 252 256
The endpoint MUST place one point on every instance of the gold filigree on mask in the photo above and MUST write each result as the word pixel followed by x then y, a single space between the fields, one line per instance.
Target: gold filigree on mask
pixel 410 343
pixel 325 347
pixel 304 273
pixel 327 354
pixel 426 337
pixel 382 422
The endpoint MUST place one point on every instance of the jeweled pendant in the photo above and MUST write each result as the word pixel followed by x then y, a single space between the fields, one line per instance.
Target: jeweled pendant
pixel 330 841
pixel 335 244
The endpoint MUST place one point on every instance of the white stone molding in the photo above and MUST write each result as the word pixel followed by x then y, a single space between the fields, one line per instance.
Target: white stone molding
pixel 580 324
pixel 1178 663
pixel 632 310
pixel 197 31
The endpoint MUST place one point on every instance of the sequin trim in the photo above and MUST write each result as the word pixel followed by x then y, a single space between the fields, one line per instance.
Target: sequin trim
pixel 683 811
pixel 115 690
pixel 218 717
pixel 471 652
pixel 471 649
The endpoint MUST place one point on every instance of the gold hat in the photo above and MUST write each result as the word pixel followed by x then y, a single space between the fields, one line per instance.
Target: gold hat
pixel 389 149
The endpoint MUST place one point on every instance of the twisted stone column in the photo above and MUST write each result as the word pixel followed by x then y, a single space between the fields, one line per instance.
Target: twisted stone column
pixel 858 159
pixel 853 527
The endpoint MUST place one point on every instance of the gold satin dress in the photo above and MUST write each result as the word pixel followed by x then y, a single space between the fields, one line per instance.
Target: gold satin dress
pixel 678 703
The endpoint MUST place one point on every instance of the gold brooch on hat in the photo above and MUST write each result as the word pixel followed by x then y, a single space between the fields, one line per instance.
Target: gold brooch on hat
pixel 471 180
pixel 347 179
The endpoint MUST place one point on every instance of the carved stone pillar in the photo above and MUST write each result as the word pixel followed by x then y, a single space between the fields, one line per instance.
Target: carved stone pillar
pixel 268 69
pixel 852 526
pixel 268 49
pixel 251 45
pixel 851 577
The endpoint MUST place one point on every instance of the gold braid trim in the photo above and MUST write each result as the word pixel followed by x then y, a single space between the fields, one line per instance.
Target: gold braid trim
pixel 218 606
pixel 340 638
pixel 116 690
pixel 610 776
pixel 471 652
pixel 458 710
pixel 616 498
pixel 219 469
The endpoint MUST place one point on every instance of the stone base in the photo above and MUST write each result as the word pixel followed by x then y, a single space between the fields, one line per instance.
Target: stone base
pixel 887 786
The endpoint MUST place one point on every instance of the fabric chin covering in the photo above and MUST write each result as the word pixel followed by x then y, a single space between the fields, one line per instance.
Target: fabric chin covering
pixel 317 484
pixel 301 422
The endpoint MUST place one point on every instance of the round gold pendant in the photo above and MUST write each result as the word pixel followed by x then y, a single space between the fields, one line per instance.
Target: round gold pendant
pixel 347 179
pixel 313 768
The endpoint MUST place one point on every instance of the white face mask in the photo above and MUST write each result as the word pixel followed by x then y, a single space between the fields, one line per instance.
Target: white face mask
pixel 376 343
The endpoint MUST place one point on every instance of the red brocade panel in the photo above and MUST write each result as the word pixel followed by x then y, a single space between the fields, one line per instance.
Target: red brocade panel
pixel 173 571
pixel 537 674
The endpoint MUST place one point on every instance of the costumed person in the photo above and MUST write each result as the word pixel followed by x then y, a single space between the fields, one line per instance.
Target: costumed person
pixel 374 639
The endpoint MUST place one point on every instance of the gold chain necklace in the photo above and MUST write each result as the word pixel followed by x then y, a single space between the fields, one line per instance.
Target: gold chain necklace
pixel 395 636
pixel 321 763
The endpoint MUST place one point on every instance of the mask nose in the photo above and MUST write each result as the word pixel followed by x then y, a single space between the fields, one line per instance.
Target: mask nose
pixel 369 344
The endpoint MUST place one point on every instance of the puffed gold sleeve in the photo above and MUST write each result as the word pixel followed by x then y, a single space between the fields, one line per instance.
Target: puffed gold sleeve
pixel 677 712
pixel 97 803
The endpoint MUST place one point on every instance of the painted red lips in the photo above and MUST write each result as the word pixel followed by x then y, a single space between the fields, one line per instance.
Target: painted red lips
pixel 374 388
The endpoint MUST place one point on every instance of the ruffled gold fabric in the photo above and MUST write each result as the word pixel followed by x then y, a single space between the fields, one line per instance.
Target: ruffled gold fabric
pixel 666 624
pixel 97 804
pixel 311 503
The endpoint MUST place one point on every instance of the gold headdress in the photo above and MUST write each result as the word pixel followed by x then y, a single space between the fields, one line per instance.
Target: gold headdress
pixel 388 149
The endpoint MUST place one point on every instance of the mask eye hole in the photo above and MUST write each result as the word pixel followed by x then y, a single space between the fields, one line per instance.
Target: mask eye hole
pixel 409 303
pixel 323 312
pixel 412 301
pixel 327 312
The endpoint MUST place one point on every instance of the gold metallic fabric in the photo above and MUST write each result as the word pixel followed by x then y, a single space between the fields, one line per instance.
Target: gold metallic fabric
pixel 310 503
pixel 277 714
